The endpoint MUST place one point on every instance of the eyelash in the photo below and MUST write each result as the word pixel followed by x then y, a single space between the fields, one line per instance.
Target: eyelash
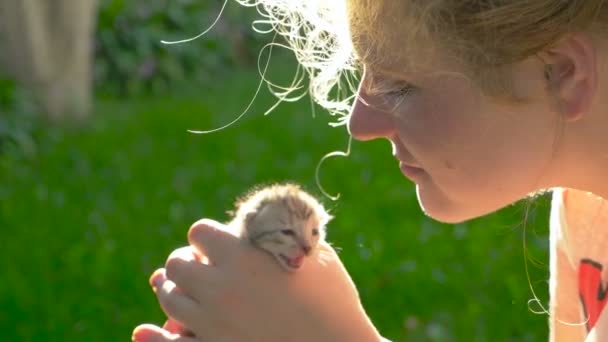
pixel 391 88
pixel 401 91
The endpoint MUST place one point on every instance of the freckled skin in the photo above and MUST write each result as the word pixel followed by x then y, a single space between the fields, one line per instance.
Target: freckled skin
pixel 284 221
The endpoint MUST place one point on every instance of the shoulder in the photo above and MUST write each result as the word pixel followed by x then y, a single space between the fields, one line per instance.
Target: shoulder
pixel 578 219
pixel 576 206
pixel 580 209
pixel 576 200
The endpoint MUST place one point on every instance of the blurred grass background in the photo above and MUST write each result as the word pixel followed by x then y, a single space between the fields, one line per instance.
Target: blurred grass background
pixel 88 211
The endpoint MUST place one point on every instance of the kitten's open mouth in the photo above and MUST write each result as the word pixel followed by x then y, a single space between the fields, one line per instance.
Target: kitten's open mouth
pixel 295 262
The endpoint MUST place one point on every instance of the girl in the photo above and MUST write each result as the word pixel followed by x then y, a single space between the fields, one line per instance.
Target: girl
pixel 484 103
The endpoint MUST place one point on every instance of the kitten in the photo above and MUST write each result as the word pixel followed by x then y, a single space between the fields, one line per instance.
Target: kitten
pixel 283 220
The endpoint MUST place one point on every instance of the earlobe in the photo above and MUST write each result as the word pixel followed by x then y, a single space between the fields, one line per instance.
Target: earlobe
pixel 571 74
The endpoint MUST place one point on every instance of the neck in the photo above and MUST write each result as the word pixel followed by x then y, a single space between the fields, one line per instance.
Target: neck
pixel 583 156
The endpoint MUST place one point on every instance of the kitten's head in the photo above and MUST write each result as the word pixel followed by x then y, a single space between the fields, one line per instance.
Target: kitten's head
pixel 289 224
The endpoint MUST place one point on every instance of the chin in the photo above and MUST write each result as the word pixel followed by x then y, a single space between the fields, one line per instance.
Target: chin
pixel 449 218
pixel 444 210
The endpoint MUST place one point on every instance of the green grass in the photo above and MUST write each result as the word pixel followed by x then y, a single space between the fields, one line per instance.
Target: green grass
pixel 89 217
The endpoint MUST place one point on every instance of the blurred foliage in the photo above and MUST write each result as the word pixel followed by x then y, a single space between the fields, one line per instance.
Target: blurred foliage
pixel 18 120
pixel 86 221
pixel 130 58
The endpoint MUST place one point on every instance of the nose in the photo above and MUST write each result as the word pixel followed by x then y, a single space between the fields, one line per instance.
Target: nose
pixel 367 123
pixel 306 249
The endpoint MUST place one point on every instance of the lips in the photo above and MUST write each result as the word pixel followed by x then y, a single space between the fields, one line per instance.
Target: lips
pixel 294 262
pixel 403 160
pixel 410 171
pixel 399 154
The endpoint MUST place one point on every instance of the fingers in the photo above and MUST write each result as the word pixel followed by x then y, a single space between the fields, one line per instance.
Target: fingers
pixel 185 253
pixel 152 333
pixel 189 274
pixel 212 239
pixel 176 327
pixel 174 303
pixel 327 249
pixel 173 326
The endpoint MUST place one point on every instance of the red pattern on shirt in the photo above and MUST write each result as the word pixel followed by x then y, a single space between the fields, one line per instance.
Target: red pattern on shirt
pixel 591 290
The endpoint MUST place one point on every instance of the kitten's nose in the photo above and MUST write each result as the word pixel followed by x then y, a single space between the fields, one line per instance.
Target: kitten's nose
pixel 306 249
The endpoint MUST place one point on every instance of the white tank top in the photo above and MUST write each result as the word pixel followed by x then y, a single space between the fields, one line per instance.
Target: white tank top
pixel 578 257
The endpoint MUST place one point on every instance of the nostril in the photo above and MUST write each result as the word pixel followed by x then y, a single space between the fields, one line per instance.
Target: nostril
pixel 306 249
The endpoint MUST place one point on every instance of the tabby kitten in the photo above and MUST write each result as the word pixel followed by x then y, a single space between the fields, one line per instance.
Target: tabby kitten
pixel 283 220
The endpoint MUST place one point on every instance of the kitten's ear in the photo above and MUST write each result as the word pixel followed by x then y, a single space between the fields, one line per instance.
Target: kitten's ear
pixel 325 218
pixel 249 217
pixel 323 221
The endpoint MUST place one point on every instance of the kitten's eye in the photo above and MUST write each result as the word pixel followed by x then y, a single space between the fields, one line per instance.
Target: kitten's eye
pixel 315 232
pixel 287 232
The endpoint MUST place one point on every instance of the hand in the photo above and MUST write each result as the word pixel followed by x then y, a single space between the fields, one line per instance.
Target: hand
pixel 243 295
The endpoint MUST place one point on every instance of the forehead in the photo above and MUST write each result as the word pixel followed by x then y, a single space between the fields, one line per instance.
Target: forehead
pixel 275 211
pixel 390 35
pixel 287 211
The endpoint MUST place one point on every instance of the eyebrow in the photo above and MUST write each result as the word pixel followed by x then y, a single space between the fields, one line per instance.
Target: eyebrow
pixel 376 80
pixel 387 73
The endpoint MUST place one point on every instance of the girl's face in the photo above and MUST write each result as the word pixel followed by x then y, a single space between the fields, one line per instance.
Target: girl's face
pixel 468 153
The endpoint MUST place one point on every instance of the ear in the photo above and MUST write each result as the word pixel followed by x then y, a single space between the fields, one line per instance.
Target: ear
pixel 571 73
pixel 250 216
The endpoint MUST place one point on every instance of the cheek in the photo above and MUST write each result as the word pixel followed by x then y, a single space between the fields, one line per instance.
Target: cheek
pixel 455 131
pixel 288 243
pixel 431 134
pixel 286 240
pixel 277 240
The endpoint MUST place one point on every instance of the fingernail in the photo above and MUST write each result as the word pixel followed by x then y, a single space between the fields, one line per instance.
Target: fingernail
pixel 139 337
pixel 144 333
pixel 156 279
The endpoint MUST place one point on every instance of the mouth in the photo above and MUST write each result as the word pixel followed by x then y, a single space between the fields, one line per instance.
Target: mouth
pixel 409 171
pixel 293 263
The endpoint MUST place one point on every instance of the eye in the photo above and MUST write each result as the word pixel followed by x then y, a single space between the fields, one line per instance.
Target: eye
pixel 398 91
pixel 388 94
pixel 401 91
pixel 381 86
pixel 315 232
pixel 288 232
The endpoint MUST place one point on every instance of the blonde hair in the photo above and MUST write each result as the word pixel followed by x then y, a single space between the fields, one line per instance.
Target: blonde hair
pixel 484 37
